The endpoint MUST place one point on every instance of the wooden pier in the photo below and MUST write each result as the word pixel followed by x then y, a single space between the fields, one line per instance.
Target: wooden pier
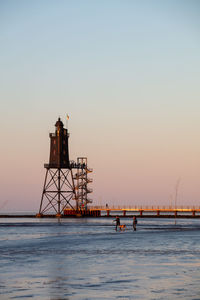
pixel 148 211
pixel 123 212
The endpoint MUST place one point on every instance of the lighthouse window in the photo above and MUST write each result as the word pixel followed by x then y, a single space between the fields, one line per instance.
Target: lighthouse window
pixel 54 152
pixel 54 141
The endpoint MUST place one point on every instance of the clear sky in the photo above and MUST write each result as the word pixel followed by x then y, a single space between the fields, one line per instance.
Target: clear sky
pixel 127 73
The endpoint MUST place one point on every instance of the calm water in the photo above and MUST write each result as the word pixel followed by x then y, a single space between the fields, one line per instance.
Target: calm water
pixel 87 259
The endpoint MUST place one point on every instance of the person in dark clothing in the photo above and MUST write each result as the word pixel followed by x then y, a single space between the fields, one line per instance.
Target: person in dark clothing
pixel 117 222
pixel 134 223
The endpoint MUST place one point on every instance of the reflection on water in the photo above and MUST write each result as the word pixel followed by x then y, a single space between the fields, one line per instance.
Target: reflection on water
pixel 87 259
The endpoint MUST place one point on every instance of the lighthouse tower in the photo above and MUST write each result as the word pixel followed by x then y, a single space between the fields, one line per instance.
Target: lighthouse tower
pixel 59 191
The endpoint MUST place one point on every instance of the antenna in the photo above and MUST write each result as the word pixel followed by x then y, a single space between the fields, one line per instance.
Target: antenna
pixel 176 194
pixel 67 119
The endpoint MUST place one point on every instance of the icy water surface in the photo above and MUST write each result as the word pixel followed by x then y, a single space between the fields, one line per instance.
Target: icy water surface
pixel 87 259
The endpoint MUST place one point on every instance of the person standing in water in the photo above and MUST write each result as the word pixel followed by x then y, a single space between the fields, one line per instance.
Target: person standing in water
pixel 117 222
pixel 134 223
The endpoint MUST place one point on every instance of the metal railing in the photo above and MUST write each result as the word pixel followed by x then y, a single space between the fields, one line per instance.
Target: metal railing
pixel 146 207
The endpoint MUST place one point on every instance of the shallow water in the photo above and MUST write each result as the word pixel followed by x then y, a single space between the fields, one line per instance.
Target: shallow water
pixel 87 259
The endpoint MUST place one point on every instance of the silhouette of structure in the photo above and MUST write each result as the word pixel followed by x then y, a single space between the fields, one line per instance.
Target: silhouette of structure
pixel 62 189
pixel 81 178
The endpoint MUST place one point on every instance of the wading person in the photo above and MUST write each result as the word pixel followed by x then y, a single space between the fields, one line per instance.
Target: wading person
pixel 134 223
pixel 117 222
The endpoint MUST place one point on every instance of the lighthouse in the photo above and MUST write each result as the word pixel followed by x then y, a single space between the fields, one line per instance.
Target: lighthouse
pixel 64 190
pixel 59 151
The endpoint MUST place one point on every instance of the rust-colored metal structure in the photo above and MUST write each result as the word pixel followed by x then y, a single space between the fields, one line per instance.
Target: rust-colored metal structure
pixel 59 191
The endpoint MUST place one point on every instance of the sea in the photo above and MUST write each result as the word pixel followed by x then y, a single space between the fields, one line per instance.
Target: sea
pixel 85 258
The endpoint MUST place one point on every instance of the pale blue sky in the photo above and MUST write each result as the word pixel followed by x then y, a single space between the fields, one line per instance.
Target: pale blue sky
pixel 127 73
